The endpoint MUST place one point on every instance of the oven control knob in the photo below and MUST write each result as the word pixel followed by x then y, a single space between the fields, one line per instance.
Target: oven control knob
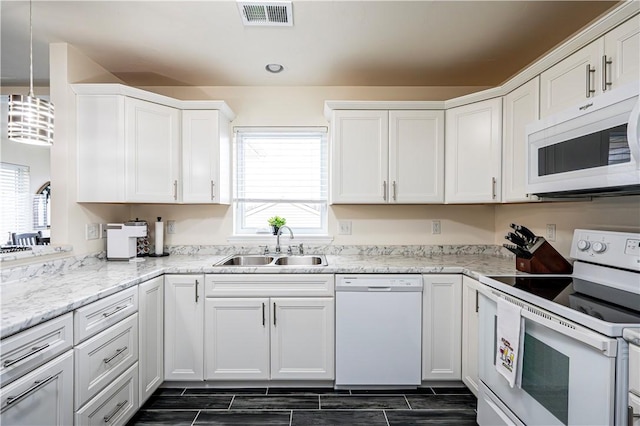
pixel 583 245
pixel 599 247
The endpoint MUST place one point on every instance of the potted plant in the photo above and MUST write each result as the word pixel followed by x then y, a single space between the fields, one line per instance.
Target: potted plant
pixel 276 222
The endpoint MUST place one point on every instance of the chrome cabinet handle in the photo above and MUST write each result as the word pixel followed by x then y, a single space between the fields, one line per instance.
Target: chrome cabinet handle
pixel 213 193
pixel 34 351
pixel 175 190
pixel 493 188
pixel 274 313
pixel 263 320
pixel 395 197
pixel 115 311
pixel 115 411
pixel 197 296
pixel 118 352
pixel 384 190
pixel 589 89
pixel 36 385
pixel 605 83
pixel 477 304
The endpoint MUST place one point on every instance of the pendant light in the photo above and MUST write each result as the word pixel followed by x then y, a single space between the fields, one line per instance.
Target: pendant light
pixel 30 118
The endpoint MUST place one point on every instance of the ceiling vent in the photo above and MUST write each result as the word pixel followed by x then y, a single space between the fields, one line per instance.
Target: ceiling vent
pixel 266 13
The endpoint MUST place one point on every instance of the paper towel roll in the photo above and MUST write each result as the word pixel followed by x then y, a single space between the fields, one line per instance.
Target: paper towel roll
pixel 159 237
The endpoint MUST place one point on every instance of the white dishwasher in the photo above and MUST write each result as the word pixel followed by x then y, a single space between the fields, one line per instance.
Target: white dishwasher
pixel 378 331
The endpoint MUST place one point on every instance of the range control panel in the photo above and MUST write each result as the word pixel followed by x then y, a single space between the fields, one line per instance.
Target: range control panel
pixel 617 249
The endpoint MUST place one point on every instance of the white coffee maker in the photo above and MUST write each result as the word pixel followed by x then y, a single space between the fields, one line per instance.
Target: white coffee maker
pixel 122 239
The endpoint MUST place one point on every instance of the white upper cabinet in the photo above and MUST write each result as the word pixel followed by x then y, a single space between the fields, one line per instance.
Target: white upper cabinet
pixel 140 147
pixel 152 152
pixel 359 156
pixel 473 152
pixel 606 63
pixel 520 108
pixel 206 159
pixel 382 156
pixel 416 156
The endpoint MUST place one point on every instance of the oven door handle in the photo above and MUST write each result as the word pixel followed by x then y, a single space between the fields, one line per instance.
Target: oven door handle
pixel 603 344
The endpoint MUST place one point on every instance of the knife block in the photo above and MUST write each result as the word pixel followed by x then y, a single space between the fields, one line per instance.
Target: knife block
pixel 545 260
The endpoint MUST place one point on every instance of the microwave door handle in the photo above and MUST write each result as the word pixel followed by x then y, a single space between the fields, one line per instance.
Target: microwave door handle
pixel 633 133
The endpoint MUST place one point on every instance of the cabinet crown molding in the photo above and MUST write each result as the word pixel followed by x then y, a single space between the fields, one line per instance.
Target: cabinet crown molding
pixel 132 92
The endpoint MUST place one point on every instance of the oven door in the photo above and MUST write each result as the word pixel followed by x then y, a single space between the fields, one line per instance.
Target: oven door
pixel 586 150
pixel 567 375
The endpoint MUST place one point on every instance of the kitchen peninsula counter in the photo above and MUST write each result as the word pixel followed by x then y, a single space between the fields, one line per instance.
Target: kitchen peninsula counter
pixel 43 295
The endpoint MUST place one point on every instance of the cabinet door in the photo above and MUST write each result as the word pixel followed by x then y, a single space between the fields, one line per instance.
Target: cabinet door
pixel 442 327
pixel 302 338
pixel 416 156
pixel 205 157
pixel 153 152
pixel 237 339
pixel 101 148
pixel 568 82
pixel 470 333
pixel 473 152
pixel 359 157
pixel 520 108
pixel 622 48
pixel 151 336
pixel 183 325
pixel 42 397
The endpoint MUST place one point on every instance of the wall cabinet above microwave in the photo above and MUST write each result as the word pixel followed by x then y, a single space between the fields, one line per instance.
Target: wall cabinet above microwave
pixel 142 151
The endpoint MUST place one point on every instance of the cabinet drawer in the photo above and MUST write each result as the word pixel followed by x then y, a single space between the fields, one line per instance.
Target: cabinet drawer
pixel 634 369
pixel 92 319
pixel 27 350
pixel 268 285
pixel 42 397
pixel 104 357
pixel 115 404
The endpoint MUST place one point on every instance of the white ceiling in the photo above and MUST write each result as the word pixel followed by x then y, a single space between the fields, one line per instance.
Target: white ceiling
pixel 332 43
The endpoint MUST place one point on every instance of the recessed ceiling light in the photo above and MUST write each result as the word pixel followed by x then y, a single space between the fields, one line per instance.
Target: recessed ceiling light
pixel 274 68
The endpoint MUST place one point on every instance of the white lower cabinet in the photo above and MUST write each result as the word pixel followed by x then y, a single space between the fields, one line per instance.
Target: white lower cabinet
pixel 151 336
pixel 269 338
pixel 470 333
pixel 441 327
pixel 183 327
pixel 116 404
pixel 42 397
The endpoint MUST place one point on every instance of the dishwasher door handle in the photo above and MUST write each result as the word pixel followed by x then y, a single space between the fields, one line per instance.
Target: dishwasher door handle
pixel 378 288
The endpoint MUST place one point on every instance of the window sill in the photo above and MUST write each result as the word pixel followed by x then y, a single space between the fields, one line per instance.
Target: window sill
pixel 266 239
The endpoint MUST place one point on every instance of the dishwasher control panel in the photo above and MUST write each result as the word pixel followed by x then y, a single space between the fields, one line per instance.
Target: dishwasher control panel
pixel 380 282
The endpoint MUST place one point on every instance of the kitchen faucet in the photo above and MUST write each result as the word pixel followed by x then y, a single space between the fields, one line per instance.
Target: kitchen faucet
pixel 278 237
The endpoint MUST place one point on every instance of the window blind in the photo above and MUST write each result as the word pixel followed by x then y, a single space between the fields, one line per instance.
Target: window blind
pixel 282 173
pixel 16 200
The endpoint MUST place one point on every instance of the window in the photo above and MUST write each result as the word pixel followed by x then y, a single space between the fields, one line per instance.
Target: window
pixel 16 200
pixel 281 173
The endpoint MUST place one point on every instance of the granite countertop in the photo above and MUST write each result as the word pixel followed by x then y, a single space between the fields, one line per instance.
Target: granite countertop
pixel 29 301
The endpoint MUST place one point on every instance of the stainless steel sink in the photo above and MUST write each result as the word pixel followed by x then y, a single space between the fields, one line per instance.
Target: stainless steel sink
pixel 272 260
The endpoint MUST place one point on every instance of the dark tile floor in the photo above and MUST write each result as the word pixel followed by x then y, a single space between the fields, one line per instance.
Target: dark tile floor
pixel 307 406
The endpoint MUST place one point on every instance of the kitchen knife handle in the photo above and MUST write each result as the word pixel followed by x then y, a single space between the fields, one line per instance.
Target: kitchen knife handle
pixel 605 83
pixel 589 90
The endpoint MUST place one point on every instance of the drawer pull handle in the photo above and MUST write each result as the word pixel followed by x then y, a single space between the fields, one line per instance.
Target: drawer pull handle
pixel 34 351
pixel 115 311
pixel 115 411
pixel 36 385
pixel 118 352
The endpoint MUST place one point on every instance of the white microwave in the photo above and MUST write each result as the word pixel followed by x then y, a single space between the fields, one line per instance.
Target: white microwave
pixel 591 149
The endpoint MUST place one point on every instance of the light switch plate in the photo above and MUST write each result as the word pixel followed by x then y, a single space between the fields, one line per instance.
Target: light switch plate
pixel 436 227
pixel 92 231
pixel 344 227
pixel 171 227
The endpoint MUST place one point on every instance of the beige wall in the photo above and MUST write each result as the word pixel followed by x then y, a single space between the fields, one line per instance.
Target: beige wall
pixel 302 106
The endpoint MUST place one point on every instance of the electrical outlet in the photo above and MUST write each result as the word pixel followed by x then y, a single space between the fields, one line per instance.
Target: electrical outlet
pixel 103 230
pixel 171 227
pixel 436 228
pixel 551 232
pixel 344 227
pixel 92 231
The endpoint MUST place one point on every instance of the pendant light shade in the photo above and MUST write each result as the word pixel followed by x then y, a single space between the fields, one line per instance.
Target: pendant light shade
pixel 30 118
